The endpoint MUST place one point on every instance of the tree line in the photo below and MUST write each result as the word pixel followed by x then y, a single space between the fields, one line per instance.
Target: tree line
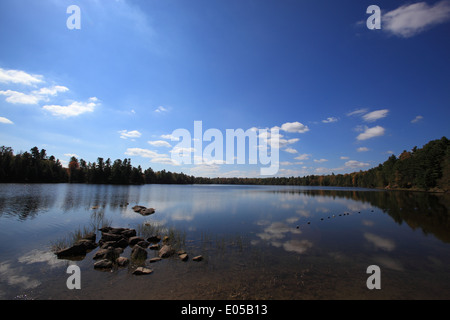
pixel 426 168
pixel 36 167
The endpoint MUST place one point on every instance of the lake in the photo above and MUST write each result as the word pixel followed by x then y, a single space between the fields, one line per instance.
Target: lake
pixel 257 242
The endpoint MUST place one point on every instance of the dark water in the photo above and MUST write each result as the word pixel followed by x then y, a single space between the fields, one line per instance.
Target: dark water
pixel 258 242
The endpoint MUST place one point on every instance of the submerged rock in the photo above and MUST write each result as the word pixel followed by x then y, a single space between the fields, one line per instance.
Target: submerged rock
pixel 197 258
pixel 143 210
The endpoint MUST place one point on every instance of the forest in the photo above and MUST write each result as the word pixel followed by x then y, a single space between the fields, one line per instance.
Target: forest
pixel 426 168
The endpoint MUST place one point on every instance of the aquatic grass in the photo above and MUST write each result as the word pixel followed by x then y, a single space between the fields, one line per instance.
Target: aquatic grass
pixel 97 221
pixel 175 237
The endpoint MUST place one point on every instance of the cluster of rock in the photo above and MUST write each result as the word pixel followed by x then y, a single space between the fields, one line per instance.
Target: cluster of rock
pixel 143 210
pixel 112 244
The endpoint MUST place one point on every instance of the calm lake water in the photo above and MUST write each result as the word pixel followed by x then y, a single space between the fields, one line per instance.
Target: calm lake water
pixel 258 242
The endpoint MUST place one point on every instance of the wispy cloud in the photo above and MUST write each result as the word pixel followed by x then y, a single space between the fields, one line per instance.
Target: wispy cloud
pixel 356 164
pixel 303 156
pixel 410 20
pixel 371 133
pixel 362 149
pixel 5 120
pixel 375 115
pixel 159 143
pixel 34 97
pixel 125 134
pixel 155 157
pixel 291 150
pixel 161 109
pixel 170 137
pixel 357 112
pixel 416 119
pixel 330 120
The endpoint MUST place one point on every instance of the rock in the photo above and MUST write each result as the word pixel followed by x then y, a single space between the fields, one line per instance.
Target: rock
pixel 138 253
pixel 122 261
pixel 183 256
pixel 134 240
pixel 166 251
pixel 78 249
pixel 166 239
pixel 154 247
pixel 108 254
pixel 138 208
pixel 147 211
pixel 155 259
pixel 142 271
pixel 143 244
pixel 154 239
pixel 89 244
pixel 128 233
pixel 103 264
pixel 197 258
pixel 117 230
pixel 110 237
pixel 122 243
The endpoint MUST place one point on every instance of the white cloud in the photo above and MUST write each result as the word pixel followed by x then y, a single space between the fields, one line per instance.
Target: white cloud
pixel 329 120
pixel 409 20
pixel 16 97
pixel 291 150
pixel 371 133
pixel 70 155
pixel 356 164
pixel 344 158
pixel 165 160
pixel 303 157
pixel 5 120
pixel 74 109
pixel 170 137
pixel 181 150
pixel 296 127
pixel 18 76
pixel 320 160
pixel 357 112
pixel 416 119
pixel 145 153
pixel 362 149
pixel 375 115
pixel 159 143
pixel 34 97
pixel 161 109
pixel 51 91
pixel 125 134
pixel 380 242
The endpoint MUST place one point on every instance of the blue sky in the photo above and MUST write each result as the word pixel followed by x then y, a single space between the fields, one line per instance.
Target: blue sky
pixel 343 96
